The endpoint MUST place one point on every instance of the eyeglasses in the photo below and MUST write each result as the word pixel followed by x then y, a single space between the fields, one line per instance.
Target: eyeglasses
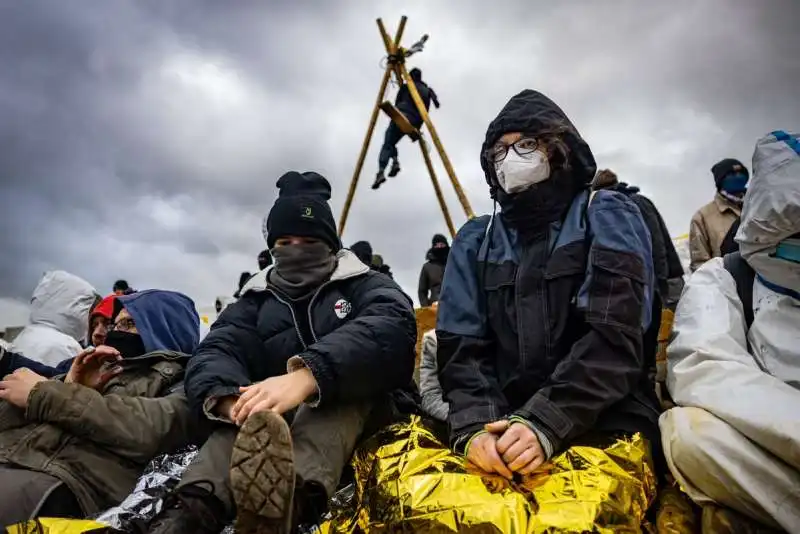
pixel 523 147
pixel 124 325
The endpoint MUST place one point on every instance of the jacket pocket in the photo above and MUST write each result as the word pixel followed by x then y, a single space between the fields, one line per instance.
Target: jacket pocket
pixel 499 290
pixel 616 289
pixel 564 274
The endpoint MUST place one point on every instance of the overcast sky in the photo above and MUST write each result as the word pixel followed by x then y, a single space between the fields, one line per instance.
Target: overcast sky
pixel 142 140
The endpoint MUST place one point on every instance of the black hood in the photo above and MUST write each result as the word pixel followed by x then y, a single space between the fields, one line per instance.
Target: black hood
pixel 627 189
pixel 532 113
pixel 363 250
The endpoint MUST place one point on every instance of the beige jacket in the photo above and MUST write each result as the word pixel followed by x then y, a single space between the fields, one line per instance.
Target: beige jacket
pixel 709 227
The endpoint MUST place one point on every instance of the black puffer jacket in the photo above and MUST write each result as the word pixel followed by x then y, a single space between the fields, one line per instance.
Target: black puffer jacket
pixel 549 329
pixel 357 334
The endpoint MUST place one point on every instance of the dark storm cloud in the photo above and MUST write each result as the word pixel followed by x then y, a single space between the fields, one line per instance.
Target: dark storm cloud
pixel 143 140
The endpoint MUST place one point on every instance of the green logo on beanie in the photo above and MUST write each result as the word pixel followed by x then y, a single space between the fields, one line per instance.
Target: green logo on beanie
pixel 307 213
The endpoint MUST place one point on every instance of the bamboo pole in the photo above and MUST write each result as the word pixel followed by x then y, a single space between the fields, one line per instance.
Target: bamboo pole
pixel 373 119
pixel 462 198
pixel 439 196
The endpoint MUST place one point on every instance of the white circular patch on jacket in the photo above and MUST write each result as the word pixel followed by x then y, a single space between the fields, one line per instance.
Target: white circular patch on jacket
pixel 342 308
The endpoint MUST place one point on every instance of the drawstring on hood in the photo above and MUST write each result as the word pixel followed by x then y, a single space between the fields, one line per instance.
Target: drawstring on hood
pixel 531 211
pixel 299 269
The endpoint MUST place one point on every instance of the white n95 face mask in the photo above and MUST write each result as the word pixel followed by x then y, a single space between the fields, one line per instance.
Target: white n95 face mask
pixel 517 173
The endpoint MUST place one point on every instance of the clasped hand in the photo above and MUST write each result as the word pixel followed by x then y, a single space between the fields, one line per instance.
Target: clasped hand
pixel 506 448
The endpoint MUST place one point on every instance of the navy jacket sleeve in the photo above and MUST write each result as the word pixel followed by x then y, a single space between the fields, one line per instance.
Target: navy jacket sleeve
pixel 219 365
pixel 373 352
pixel 11 361
pixel 606 364
pixel 465 345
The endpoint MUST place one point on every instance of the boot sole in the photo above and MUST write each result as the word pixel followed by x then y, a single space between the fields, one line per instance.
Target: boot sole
pixel 262 475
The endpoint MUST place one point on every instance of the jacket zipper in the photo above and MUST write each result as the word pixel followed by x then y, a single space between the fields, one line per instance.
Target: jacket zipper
pixel 310 305
pixel 294 317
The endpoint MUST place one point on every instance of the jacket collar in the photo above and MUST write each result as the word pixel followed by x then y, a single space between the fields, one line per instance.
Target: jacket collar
pixel 156 356
pixel 723 205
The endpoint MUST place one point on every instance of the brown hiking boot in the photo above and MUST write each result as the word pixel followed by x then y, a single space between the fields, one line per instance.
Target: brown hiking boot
pixel 720 520
pixel 262 475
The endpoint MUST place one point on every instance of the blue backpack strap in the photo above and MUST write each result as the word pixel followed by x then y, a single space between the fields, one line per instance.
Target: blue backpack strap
pixel 793 143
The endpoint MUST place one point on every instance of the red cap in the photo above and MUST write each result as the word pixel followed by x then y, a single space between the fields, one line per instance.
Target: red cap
pixel 105 308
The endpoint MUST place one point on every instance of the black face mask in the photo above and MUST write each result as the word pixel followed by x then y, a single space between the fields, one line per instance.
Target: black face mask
pixel 440 254
pixel 532 211
pixel 129 345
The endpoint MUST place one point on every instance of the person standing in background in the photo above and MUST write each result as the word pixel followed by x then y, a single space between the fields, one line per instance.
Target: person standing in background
pixel 264 260
pixel 712 222
pixel 432 274
pixel 121 287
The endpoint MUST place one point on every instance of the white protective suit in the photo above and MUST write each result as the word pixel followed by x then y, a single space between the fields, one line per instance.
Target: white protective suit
pixel 735 437
pixel 59 319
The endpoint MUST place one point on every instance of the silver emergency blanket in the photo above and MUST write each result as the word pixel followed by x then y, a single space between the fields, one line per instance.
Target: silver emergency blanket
pixel 161 477
pixel 147 498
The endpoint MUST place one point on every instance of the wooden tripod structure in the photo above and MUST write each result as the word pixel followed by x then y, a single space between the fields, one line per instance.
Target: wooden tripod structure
pixel 396 66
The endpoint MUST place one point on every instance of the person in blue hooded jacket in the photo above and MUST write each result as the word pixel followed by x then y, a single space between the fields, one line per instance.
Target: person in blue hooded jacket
pixel 74 446
pixel 543 307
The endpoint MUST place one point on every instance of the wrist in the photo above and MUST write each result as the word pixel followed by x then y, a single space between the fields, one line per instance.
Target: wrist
pixel 307 381
pixel 470 441
pixel 544 441
pixel 224 406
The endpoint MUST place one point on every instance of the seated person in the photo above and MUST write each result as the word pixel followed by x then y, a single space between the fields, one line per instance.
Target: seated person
pixel 319 332
pixel 75 447
pixel 734 363
pixel 543 308
pixel 430 389
pixel 99 321
pixel 59 314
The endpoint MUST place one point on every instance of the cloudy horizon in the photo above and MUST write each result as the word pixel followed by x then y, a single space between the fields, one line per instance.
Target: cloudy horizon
pixel 142 140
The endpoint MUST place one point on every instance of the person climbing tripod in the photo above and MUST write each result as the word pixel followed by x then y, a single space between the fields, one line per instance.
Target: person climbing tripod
pixel 405 104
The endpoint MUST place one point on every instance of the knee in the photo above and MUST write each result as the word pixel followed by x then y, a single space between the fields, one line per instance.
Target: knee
pixel 686 435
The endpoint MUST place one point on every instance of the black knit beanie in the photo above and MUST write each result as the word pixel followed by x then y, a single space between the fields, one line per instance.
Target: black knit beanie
pixel 438 239
pixel 302 210
pixel 724 168
pixel 363 250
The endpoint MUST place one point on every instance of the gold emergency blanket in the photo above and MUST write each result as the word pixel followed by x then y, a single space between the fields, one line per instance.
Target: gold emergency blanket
pixel 407 480
pixel 56 526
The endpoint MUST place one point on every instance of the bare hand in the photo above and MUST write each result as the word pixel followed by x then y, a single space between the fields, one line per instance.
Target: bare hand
pixel 91 367
pixel 520 449
pixel 278 394
pixel 16 387
pixel 483 454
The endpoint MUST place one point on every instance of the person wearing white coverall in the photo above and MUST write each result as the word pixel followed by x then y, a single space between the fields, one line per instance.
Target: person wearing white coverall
pixel 59 319
pixel 734 438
